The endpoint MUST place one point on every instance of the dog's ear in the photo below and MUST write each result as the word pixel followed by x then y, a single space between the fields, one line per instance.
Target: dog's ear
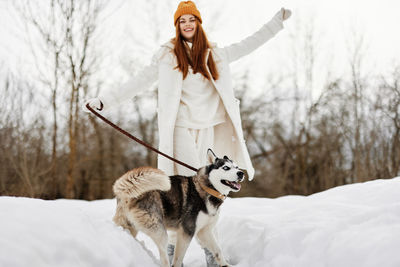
pixel 211 157
pixel 226 157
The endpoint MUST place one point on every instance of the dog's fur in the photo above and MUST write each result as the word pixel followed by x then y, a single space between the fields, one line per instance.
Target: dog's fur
pixel 152 202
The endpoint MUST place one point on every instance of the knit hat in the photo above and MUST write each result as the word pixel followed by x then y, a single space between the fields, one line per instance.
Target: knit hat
pixel 186 7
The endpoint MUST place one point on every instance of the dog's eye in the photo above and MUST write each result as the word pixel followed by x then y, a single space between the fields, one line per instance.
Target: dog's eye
pixel 226 168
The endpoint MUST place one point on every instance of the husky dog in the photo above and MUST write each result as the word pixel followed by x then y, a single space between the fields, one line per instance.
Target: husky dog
pixel 152 202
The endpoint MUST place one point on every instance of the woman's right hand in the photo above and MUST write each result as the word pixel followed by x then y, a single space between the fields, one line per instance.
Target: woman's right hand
pixel 94 103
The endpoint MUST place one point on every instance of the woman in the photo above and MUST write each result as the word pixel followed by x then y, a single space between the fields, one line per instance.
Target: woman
pixel 197 109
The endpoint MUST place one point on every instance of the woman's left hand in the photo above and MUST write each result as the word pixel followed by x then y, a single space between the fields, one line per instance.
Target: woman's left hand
pixel 283 14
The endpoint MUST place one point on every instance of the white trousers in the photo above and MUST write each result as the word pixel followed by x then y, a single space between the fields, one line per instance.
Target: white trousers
pixel 190 147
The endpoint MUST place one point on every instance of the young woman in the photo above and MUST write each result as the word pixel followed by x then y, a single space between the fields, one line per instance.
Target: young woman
pixel 197 108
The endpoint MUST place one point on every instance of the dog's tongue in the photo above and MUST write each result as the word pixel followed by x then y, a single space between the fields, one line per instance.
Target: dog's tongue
pixel 236 185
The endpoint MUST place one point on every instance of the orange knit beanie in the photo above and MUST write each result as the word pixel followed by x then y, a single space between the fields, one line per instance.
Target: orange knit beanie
pixel 186 7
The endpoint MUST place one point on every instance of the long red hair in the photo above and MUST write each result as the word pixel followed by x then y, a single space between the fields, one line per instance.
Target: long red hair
pixel 196 56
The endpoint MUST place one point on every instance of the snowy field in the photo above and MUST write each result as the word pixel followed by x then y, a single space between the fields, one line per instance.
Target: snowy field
pixel 353 225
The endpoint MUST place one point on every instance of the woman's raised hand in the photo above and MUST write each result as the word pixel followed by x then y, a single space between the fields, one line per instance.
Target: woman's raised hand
pixel 283 14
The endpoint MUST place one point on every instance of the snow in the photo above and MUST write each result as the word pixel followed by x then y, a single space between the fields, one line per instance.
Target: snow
pixel 352 225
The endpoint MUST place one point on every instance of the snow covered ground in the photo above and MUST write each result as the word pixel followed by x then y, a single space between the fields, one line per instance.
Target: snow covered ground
pixel 353 225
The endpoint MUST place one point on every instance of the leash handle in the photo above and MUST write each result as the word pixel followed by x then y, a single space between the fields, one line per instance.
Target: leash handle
pixel 138 140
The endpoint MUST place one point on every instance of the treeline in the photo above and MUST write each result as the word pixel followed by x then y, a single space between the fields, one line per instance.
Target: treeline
pixel 299 144
pixel 348 135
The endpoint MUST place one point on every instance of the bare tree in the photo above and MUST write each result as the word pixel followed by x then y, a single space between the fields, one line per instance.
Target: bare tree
pixel 65 30
pixel 51 44
pixel 356 60
pixel 388 102
pixel 22 136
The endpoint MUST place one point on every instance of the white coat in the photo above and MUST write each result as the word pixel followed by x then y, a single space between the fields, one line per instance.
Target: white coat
pixel 229 135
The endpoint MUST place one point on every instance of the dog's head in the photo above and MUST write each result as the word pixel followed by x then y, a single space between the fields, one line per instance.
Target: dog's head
pixel 223 173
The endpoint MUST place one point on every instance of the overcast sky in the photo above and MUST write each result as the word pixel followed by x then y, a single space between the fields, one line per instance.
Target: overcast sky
pixel 228 21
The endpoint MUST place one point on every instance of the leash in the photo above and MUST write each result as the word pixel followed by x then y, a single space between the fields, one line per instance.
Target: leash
pixel 138 140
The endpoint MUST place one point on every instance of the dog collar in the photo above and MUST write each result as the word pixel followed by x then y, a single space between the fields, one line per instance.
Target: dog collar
pixel 213 192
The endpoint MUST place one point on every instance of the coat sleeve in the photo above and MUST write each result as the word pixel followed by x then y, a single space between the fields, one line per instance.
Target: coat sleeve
pixel 237 50
pixel 134 86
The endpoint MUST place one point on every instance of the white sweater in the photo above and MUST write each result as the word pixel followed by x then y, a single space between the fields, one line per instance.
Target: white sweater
pixel 200 105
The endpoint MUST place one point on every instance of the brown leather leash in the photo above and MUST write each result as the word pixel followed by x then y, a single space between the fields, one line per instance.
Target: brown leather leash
pixel 138 140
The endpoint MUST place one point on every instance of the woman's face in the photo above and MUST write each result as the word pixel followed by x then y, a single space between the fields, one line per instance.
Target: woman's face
pixel 187 26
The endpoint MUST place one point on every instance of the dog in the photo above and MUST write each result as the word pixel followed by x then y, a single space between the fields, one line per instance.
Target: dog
pixel 150 201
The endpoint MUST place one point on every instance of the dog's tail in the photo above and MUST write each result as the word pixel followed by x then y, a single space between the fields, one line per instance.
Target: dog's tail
pixel 139 181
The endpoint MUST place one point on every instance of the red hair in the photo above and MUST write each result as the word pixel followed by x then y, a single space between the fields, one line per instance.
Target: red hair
pixel 197 54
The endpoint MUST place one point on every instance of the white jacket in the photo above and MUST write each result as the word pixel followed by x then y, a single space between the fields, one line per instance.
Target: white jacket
pixel 229 135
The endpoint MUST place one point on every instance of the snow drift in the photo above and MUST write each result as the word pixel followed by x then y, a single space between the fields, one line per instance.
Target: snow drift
pixel 352 225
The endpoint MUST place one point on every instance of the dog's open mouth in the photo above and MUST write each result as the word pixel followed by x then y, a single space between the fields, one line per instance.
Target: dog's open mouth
pixel 233 185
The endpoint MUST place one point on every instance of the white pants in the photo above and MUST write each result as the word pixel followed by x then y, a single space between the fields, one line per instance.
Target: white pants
pixel 190 147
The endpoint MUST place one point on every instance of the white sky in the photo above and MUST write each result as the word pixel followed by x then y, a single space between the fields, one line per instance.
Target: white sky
pixel 334 21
